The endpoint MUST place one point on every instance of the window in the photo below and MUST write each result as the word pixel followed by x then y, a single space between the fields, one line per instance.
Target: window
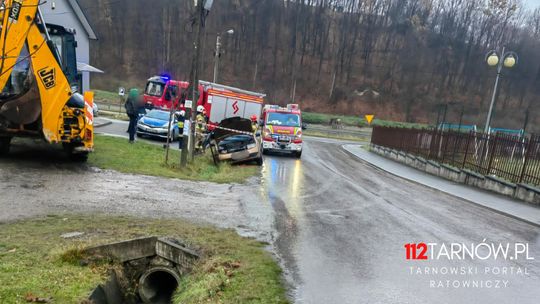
pixel 283 119
pixel 20 79
pixel 58 43
pixel 157 114
pixel 171 93
pixel 154 89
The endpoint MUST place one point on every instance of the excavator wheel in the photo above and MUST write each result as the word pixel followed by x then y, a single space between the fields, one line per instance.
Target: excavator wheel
pixel 79 157
pixel 5 143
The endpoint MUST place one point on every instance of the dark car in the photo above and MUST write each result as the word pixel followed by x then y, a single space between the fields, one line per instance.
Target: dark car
pixel 235 141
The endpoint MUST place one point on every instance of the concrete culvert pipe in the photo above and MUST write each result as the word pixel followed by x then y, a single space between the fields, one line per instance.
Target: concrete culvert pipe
pixel 158 284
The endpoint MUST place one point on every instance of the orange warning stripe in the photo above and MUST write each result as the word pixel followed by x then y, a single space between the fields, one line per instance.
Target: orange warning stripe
pixel 89 106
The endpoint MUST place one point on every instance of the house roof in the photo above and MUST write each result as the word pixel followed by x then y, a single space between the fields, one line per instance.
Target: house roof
pixel 82 18
pixel 85 67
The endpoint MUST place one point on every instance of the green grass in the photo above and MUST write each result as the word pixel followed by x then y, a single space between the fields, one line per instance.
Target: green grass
pixel 324 119
pixel 148 159
pixel 114 115
pixel 112 97
pixel 35 260
pixel 106 97
pixel 342 136
pixel 354 121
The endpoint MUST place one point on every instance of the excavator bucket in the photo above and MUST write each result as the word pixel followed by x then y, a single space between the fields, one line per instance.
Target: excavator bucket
pixel 22 110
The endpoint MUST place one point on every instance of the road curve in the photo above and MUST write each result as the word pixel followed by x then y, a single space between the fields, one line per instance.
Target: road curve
pixel 342 226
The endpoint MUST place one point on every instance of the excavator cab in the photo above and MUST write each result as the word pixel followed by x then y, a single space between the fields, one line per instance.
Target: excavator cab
pixel 65 45
pixel 64 41
pixel 39 82
pixel 20 78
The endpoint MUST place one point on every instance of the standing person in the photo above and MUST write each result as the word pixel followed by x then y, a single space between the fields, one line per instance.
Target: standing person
pixel 132 106
pixel 254 123
pixel 200 130
pixel 206 117
pixel 180 123
pixel 200 112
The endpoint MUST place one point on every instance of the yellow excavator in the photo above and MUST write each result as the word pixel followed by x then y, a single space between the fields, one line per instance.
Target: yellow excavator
pixel 38 82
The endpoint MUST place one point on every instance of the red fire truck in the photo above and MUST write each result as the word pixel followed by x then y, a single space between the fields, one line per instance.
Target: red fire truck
pixel 282 129
pixel 220 101
pixel 161 91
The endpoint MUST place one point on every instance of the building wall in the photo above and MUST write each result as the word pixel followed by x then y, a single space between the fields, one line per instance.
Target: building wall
pixel 63 15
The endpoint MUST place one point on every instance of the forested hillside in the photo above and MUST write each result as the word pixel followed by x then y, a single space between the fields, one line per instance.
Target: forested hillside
pixel 398 59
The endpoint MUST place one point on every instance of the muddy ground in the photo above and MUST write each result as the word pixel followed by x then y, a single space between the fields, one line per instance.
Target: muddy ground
pixel 41 181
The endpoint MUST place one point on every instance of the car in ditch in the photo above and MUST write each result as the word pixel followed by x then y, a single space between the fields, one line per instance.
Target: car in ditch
pixel 155 124
pixel 234 141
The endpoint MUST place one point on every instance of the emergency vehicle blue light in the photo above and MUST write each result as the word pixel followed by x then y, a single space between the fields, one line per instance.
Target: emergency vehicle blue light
pixel 165 77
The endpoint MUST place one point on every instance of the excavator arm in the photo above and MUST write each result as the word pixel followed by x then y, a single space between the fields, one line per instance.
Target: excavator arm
pixel 65 117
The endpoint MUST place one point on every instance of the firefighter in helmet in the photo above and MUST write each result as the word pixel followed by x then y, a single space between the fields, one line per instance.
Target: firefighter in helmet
pixel 254 123
pixel 200 129
pixel 200 113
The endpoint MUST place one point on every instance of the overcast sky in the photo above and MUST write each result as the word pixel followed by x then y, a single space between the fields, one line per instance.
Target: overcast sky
pixel 532 3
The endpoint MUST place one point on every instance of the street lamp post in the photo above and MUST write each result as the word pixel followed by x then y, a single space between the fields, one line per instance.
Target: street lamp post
pixel 493 59
pixel 218 54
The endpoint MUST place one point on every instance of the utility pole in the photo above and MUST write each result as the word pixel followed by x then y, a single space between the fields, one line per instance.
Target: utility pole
pixel 461 117
pixel 494 59
pixel 194 85
pixel 444 116
pixel 526 121
pixel 438 116
pixel 170 132
pixel 494 96
pixel 216 57
pixel 217 54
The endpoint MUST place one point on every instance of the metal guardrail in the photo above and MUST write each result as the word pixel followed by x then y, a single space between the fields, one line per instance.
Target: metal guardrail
pixel 514 158
pixel 118 107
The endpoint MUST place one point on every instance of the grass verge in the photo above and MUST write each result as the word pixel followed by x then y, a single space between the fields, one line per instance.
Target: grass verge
pixel 148 159
pixel 324 119
pixel 34 263
pixel 336 136
pixel 114 115
pixel 355 121
pixel 107 97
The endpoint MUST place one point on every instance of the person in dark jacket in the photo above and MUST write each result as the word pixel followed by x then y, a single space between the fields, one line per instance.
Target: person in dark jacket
pixel 133 105
pixel 181 118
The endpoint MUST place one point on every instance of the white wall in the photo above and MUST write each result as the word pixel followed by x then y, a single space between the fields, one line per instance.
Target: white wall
pixel 63 15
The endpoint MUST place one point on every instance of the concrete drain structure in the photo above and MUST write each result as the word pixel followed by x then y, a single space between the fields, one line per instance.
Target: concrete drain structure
pixel 158 284
pixel 150 272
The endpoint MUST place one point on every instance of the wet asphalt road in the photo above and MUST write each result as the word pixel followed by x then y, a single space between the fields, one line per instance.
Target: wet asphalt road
pixel 342 226
pixel 337 225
